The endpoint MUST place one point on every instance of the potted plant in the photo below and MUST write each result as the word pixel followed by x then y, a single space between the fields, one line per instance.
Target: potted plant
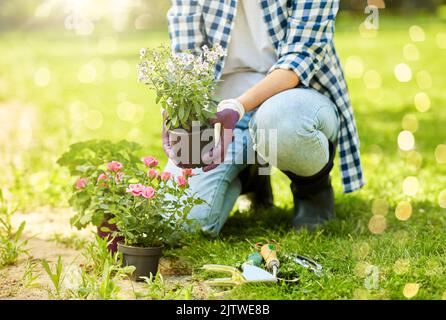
pixel 94 177
pixel 150 211
pixel 184 85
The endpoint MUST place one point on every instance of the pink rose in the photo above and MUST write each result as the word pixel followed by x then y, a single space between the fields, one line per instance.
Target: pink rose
pixel 135 189
pixel 182 181
pixel 114 166
pixel 165 176
pixel 152 173
pixel 150 161
pixel 81 183
pixel 148 193
pixel 101 177
pixel 118 177
pixel 188 172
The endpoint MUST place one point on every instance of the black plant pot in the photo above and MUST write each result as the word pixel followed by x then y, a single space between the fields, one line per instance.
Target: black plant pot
pixel 189 145
pixel 145 260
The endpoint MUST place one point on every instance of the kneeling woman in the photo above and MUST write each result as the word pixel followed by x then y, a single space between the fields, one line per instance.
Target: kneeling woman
pixel 281 72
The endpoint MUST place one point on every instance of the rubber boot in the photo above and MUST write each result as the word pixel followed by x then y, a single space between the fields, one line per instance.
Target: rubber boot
pixel 257 186
pixel 313 197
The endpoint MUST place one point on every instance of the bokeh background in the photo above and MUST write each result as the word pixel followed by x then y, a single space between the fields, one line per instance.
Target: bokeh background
pixel 68 73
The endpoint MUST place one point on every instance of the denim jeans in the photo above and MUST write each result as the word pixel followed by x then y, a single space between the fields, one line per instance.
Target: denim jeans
pixel 304 121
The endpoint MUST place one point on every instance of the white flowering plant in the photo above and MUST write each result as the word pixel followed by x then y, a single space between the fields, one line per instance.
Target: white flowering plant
pixel 184 83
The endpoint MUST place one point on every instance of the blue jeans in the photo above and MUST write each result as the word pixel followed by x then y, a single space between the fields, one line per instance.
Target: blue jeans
pixel 304 121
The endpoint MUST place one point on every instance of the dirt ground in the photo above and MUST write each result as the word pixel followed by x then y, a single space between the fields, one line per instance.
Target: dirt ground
pixel 41 226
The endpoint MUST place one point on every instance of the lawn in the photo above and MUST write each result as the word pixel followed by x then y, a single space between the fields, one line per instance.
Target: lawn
pixel 57 88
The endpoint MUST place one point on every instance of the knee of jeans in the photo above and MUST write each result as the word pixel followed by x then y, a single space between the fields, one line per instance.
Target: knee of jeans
pixel 284 134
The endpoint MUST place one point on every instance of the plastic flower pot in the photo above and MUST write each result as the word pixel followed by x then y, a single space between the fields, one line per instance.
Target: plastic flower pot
pixel 145 260
pixel 113 246
pixel 189 145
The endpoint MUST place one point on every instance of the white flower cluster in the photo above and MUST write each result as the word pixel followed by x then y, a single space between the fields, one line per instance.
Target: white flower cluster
pixel 184 82
pixel 213 55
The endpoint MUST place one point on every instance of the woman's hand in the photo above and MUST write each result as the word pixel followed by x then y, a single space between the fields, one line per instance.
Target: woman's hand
pixel 229 112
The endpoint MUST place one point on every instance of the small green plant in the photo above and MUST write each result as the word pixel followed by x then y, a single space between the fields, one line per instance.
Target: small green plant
pixel 97 278
pixel 97 255
pixel 82 284
pixel 108 289
pixel 184 83
pixel 79 284
pixel 7 210
pixel 155 288
pixel 56 277
pixel 12 247
pixel 30 276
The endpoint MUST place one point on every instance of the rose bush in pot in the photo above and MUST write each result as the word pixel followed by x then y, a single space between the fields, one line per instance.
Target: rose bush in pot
pixel 152 212
pixel 90 163
pixel 184 84
pixel 137 207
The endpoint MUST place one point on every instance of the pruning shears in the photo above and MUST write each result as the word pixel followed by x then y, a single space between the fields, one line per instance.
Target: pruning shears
pixel 306 262
pixel 250 274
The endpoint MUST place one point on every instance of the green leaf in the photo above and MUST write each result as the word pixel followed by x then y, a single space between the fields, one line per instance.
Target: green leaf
pixel 105 229
pixel 181 114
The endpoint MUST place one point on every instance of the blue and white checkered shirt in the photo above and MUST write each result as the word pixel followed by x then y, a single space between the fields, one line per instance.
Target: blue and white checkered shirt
pixel 302 33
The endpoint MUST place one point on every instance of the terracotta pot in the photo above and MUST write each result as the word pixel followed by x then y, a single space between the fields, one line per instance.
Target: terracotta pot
pixel 145 260
pixel 113 246
pixel 190 145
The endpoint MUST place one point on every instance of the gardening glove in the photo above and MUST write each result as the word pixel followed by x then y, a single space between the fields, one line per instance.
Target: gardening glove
pixel 229 112
pixel 166 143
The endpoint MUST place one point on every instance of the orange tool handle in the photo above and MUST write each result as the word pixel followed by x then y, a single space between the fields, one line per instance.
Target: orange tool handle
pixel 269 254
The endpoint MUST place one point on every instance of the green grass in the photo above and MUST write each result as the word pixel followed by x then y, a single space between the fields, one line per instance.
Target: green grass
pixel 47 119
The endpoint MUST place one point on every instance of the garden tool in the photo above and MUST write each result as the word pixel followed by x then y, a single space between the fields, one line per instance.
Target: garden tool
pixel 269 253
pixel 307 263
pixel 251 272
pixel 255 259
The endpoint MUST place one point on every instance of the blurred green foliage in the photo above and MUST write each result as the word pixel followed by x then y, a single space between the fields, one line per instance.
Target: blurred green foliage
pixel 58 88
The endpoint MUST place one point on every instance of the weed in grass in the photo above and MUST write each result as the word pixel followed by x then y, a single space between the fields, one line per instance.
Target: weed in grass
pixel 97 255
pixel 79 284
pixel 108 288
pixel 7 209
pixel 56 277
pixel 96 279
pixel 11 248
pixel 157 289
pixel 30 275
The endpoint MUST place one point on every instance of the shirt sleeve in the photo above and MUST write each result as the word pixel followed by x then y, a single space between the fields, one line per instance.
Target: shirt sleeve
pixel 186 26
pixel 310 28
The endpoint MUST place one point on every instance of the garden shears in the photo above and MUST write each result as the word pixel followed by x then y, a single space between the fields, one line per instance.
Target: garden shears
pixel 249 274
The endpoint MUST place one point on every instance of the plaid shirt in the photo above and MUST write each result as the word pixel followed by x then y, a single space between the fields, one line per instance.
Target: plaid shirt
pixel 302 33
